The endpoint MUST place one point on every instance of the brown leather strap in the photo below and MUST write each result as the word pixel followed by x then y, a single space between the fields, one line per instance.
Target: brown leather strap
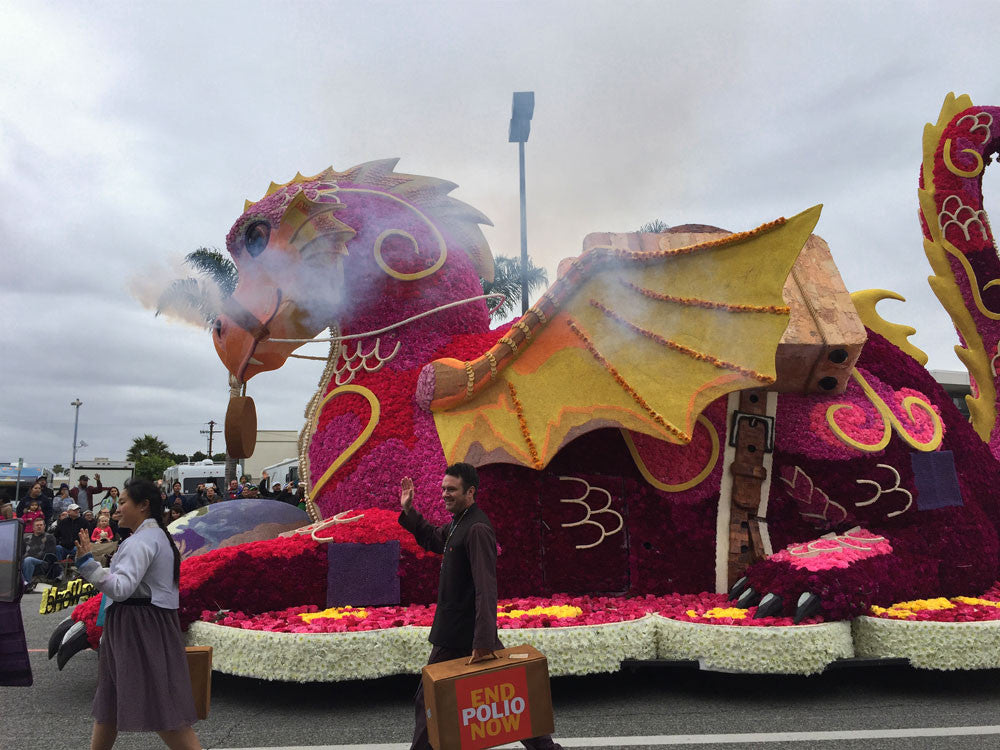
pixel 752 439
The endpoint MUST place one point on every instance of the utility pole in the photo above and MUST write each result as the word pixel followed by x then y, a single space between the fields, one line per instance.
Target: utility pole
pixel 76 423
pixel 211 433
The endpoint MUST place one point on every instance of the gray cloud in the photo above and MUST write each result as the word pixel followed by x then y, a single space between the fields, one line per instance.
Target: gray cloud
pixel 129 137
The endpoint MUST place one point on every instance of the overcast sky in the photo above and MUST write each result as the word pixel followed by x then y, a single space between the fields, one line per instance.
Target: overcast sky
pixel 130 134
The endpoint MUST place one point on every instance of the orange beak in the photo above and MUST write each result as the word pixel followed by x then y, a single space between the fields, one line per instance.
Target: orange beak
pixel 242 335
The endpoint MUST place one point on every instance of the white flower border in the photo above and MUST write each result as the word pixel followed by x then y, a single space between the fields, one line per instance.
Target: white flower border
pixel 930 645
pixel 334 657
pixel 793 649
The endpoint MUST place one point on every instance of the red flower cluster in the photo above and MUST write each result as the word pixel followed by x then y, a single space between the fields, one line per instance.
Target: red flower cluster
pixel 594 610
pixel 374 526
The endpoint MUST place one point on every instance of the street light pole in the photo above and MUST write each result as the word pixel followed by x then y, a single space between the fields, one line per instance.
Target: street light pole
pixel 76 423
pixel 522 110
pixel 524 234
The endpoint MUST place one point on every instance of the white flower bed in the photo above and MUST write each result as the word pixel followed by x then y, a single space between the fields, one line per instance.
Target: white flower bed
pixel 930 645
pixel 333 657
pixel 589 649
pixel 798 649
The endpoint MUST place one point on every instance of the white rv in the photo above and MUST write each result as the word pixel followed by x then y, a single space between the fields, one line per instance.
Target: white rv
pixel 113 473
pixel 193 473
pixel 284 472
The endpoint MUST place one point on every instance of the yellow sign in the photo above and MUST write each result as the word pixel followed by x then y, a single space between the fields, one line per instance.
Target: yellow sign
pixel 55 600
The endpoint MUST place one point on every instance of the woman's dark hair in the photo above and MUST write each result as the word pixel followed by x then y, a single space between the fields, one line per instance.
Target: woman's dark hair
pixel 108 493
pixel 466 472
pixel 140 490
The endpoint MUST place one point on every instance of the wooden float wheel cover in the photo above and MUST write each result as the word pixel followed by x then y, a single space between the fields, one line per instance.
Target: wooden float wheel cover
pixel 241 427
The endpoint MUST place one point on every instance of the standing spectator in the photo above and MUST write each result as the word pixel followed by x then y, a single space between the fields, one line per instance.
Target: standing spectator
pixel 44 483
pixel 175 496
pixel 300 495
pixel 83 494
pixel 234 491
pixel 40 552
pixel 194 500
pixel 88 517
pixel 61 501
pixel 143 684
pixel 210 495
pixel 28 517
pixel 110 499
pixel 35 494
pixel 275 491
pixel 68 530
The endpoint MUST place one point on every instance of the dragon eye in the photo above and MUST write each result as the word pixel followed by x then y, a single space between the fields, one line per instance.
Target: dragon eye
pixel 256 237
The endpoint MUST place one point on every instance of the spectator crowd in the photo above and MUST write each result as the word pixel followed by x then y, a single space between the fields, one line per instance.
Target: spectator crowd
pixel 52 522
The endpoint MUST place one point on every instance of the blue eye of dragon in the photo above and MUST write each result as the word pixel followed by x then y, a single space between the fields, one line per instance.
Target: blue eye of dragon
pixel 256 237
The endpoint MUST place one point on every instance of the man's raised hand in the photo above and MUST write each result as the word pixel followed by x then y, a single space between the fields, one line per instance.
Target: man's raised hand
pixel 406 494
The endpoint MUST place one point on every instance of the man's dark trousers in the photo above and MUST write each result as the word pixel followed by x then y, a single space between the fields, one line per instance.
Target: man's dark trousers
pixel 420 741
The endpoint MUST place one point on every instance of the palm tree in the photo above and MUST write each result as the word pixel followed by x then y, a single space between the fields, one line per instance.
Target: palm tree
pixel 656 226
pixel 204 294
pixel 507 281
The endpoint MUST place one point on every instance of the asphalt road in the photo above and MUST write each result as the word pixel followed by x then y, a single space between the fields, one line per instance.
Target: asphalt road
pixel 55 712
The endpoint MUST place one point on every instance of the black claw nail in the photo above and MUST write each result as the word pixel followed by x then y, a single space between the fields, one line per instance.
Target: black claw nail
pixel 748 598
pixel 55 640
pixel 73 642
pixel 770 606
pixel 807 606
pixel 738 588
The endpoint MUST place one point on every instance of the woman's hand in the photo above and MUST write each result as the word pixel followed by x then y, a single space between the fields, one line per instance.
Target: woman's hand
pixel 82 544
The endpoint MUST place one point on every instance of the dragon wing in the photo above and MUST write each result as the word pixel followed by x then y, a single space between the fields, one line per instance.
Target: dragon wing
pixel 628 338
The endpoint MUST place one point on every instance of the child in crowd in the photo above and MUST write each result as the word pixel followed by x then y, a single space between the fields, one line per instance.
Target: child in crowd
pixel 102 532
pixel 28 517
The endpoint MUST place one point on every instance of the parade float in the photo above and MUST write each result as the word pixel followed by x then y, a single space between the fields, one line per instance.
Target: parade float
pixel 696 445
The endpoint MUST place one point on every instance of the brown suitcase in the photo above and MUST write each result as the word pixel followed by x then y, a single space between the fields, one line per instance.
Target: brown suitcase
pixel 489 703
pixel 200 666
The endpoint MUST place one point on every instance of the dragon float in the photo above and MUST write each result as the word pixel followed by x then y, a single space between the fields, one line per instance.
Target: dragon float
pixel 687 429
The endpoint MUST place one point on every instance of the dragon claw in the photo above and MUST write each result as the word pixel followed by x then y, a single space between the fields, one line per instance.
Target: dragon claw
pixel 748 598
pixel 55 640
pixel 738 588
pixel 807 606
pixel 74 641
pixel 770 606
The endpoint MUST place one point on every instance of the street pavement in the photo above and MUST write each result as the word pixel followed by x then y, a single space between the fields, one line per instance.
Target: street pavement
pixel 864 707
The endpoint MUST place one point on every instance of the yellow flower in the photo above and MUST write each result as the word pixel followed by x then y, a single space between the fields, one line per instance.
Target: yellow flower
pixel 554 611
pixel 335 613
pixel 734 613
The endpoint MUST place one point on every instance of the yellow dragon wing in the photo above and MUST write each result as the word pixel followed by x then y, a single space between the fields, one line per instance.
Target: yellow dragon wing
pixel 630 338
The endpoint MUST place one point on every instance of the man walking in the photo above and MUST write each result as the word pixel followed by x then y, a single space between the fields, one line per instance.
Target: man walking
pixel 465 621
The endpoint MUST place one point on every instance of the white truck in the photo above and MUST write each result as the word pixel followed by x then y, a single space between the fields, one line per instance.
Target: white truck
pixel 284 472
pixel 113 473
pixel 193 473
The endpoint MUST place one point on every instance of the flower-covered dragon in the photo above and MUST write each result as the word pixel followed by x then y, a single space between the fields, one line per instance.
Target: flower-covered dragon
pixel 635 430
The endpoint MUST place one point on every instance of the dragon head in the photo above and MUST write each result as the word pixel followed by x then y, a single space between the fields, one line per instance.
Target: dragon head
pixel 312 251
